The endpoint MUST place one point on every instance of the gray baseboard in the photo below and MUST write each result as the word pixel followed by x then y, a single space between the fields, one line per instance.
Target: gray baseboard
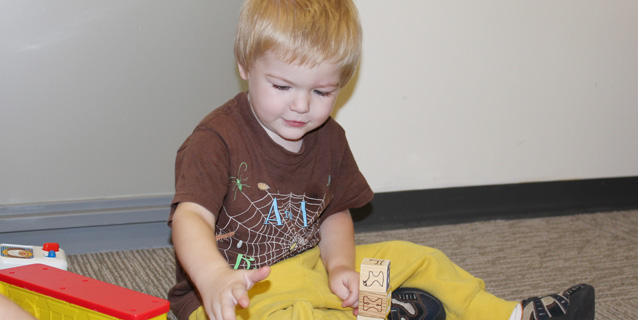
pixel 140 222
pixel 432 207
pixel 89 226
pixel 97 239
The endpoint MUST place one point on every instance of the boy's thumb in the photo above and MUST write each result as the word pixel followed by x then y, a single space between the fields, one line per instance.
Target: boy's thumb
pixel 258 275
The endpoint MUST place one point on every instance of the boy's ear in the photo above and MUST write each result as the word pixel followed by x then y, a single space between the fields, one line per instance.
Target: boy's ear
pixel 242 71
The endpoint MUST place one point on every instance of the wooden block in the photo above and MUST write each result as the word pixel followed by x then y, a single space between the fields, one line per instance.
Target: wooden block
pixel 375 275
pixel 360 317
pixel 375 304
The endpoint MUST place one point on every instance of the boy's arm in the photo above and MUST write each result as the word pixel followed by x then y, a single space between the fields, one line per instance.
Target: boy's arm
pixel 220 287
pixel 338 255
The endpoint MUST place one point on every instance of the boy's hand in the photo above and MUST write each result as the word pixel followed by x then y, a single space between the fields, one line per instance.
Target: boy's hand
pixel 226 289
pixel 344 283
pixel 220 287
pixel 338 255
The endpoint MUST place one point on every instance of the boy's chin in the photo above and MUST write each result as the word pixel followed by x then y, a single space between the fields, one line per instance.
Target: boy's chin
pixel 293 136
pixel 287 140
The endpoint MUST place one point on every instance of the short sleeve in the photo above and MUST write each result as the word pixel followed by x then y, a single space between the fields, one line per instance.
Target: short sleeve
pixel 201 171
pixel 351 189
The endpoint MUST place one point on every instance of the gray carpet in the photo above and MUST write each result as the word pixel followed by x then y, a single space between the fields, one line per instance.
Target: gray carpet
pixel 516 258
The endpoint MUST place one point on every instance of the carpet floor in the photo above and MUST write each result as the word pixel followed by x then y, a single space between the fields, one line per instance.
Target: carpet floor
pixel 516 258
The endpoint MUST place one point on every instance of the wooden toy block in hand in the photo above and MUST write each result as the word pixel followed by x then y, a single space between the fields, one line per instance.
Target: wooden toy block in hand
pixel 375 305
pixel 375 275
pixel 375 293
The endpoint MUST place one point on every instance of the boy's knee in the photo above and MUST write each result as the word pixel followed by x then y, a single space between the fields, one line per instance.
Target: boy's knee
pixel 407 249
pixel 408 246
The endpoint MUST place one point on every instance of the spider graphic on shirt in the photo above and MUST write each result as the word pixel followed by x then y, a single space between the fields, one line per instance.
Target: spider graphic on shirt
pixel 238 181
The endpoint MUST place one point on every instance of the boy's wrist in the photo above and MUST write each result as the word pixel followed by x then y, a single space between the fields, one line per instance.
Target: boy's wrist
pixel 339 267
pixel 204 277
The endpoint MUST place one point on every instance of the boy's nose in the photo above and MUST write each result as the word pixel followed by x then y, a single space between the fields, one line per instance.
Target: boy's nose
pixel 301 104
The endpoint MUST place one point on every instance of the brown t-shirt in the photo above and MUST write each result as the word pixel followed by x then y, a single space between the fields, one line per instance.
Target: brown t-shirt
pixel 268 202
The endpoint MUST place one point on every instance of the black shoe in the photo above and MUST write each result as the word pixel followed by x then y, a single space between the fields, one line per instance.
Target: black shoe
pixel 575 303
pixel 415 304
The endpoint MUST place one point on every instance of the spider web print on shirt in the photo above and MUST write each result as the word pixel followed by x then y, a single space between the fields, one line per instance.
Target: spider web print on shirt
pixel 272 228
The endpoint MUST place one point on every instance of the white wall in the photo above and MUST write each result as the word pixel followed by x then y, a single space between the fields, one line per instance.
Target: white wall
pixel 96 96
pixel 457 93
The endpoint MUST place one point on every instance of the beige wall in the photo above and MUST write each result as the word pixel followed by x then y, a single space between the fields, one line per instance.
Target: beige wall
pixel 96 96
pixel 455 93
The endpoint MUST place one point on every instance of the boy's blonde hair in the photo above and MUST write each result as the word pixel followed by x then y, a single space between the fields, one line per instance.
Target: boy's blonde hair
pixel 305 32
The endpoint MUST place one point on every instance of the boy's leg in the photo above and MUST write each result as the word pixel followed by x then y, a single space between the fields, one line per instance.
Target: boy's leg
pixel 297 288
pixel 462 294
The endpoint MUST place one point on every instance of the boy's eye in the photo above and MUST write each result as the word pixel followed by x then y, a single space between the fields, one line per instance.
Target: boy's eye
pixel 322 93
pixel 282 88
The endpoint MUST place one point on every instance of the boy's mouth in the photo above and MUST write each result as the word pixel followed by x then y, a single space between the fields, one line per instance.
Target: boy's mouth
pixel 295 124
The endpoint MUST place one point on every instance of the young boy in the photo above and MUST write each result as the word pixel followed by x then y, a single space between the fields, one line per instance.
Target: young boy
pixel 260 218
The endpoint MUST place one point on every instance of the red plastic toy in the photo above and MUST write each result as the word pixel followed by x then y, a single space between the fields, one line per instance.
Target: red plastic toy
pixel 88 293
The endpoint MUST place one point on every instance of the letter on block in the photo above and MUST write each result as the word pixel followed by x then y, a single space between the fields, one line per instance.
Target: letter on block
pixel 375 275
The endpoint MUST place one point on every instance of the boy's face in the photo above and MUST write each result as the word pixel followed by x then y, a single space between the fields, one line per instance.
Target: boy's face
pixel 291 100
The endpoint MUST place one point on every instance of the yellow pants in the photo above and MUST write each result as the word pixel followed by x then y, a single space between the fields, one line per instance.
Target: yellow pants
pixel 297 288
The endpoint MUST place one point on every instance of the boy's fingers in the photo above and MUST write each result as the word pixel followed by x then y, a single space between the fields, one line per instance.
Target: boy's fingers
pixel 350 300
pixel 262 273
pixel 343 293
pixel 228 309
pixel 258 275
pixel 211 311
pixel 213 314
pixel 241 296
